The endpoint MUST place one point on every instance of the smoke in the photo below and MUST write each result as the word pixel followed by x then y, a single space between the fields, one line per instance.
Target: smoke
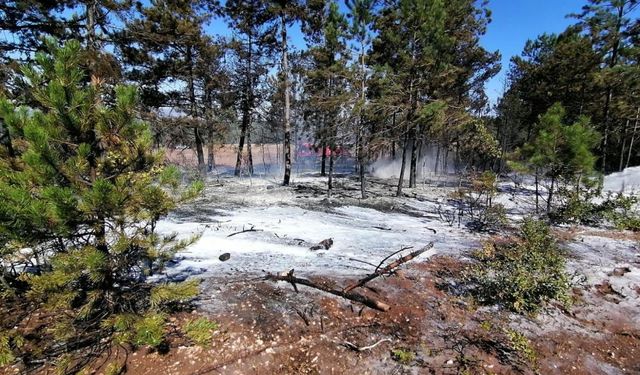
pixel 626 181
pixel 390 168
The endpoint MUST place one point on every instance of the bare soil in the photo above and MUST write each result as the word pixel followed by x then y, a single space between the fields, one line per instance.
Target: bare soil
pixel 431 328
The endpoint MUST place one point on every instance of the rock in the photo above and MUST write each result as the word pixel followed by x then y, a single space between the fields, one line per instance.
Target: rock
pixel 620 271
pixel 324 244
pixel 224 257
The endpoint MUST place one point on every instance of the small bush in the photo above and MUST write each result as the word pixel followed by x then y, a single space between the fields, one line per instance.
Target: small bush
pixel 404 356
pixel 521 344
pixel 521 273
pixel 618 210
pixel 200 331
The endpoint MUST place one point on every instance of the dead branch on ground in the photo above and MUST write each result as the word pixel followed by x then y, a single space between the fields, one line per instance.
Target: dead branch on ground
pixel 245 231
pixel 356 348
pixel 390 267
pixel 355 297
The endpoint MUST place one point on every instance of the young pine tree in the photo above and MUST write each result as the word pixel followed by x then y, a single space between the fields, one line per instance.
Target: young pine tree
pixel 561 151
pixel 81 191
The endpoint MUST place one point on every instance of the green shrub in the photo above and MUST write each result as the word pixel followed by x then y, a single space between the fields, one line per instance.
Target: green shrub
pixel 521 344
pixel 521 273
pixel 150 330
pixel 591 208
pixel 402 355
pixel 6 354
pixel 200 331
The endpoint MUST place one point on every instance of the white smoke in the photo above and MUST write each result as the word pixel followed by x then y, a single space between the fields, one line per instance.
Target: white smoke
pixel 623 182
pixel 390 168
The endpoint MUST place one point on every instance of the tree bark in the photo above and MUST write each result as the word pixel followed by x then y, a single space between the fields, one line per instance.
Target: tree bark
pixel 247 106
pixel 243 134
pixel 633 136
pixel 415 146
pixel 609 94
pixel 211 159
pixel 287 124
pixel 402 166
pixel 361 129
pixel 193 110
pixel 623 140
pixel 550 196
pixel 91 10
pixel 330 182
pixel 324 159
pixel 249 152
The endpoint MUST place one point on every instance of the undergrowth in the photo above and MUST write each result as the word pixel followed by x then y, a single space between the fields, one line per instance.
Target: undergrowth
pixel 521 273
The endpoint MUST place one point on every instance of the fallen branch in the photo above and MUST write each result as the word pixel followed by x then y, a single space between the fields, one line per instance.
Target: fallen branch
pixel 363 348
pixel 388 268
pixel 390 255
pixel 362 261
pixel 355 297
pixel 245 231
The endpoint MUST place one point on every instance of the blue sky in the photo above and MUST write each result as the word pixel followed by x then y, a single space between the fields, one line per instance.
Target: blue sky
pixel 516 21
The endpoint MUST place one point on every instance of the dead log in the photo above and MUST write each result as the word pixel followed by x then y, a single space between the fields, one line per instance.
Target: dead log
pixel 245 231
pixel 355 297
pixel 388 268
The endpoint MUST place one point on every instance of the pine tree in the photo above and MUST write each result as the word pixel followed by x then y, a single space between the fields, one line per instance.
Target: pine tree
pixel 167 44
pixel 611 29
pixel 561 151
pixel 287 11
pixel 325 84
pixel 423 68
pixel 553 68
pixel 253 44
pixel 80 194
pixel 361 14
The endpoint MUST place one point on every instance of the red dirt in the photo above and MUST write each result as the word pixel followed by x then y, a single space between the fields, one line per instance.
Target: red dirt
pixel 267 328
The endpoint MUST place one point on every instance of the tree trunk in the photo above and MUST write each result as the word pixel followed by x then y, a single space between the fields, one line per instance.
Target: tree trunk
pixel 247 105
pixel 330 182
pixel 324 159
pixel 633 136
pixel 435 169
pixel 193 114
pixel 414 161
pixel 393 144
pixel 243 134
pixel 91 11
pixel 202 168
pixel 362 129
pixel 249 152
pixel 550 196
pixel 415 149
pixel 623 146
pixel 211 159
pixel 363 185
pixel 287 124
pixel 609 95
pixel 402 165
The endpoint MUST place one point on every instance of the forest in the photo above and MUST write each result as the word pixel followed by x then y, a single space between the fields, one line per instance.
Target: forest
pixel 316 187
